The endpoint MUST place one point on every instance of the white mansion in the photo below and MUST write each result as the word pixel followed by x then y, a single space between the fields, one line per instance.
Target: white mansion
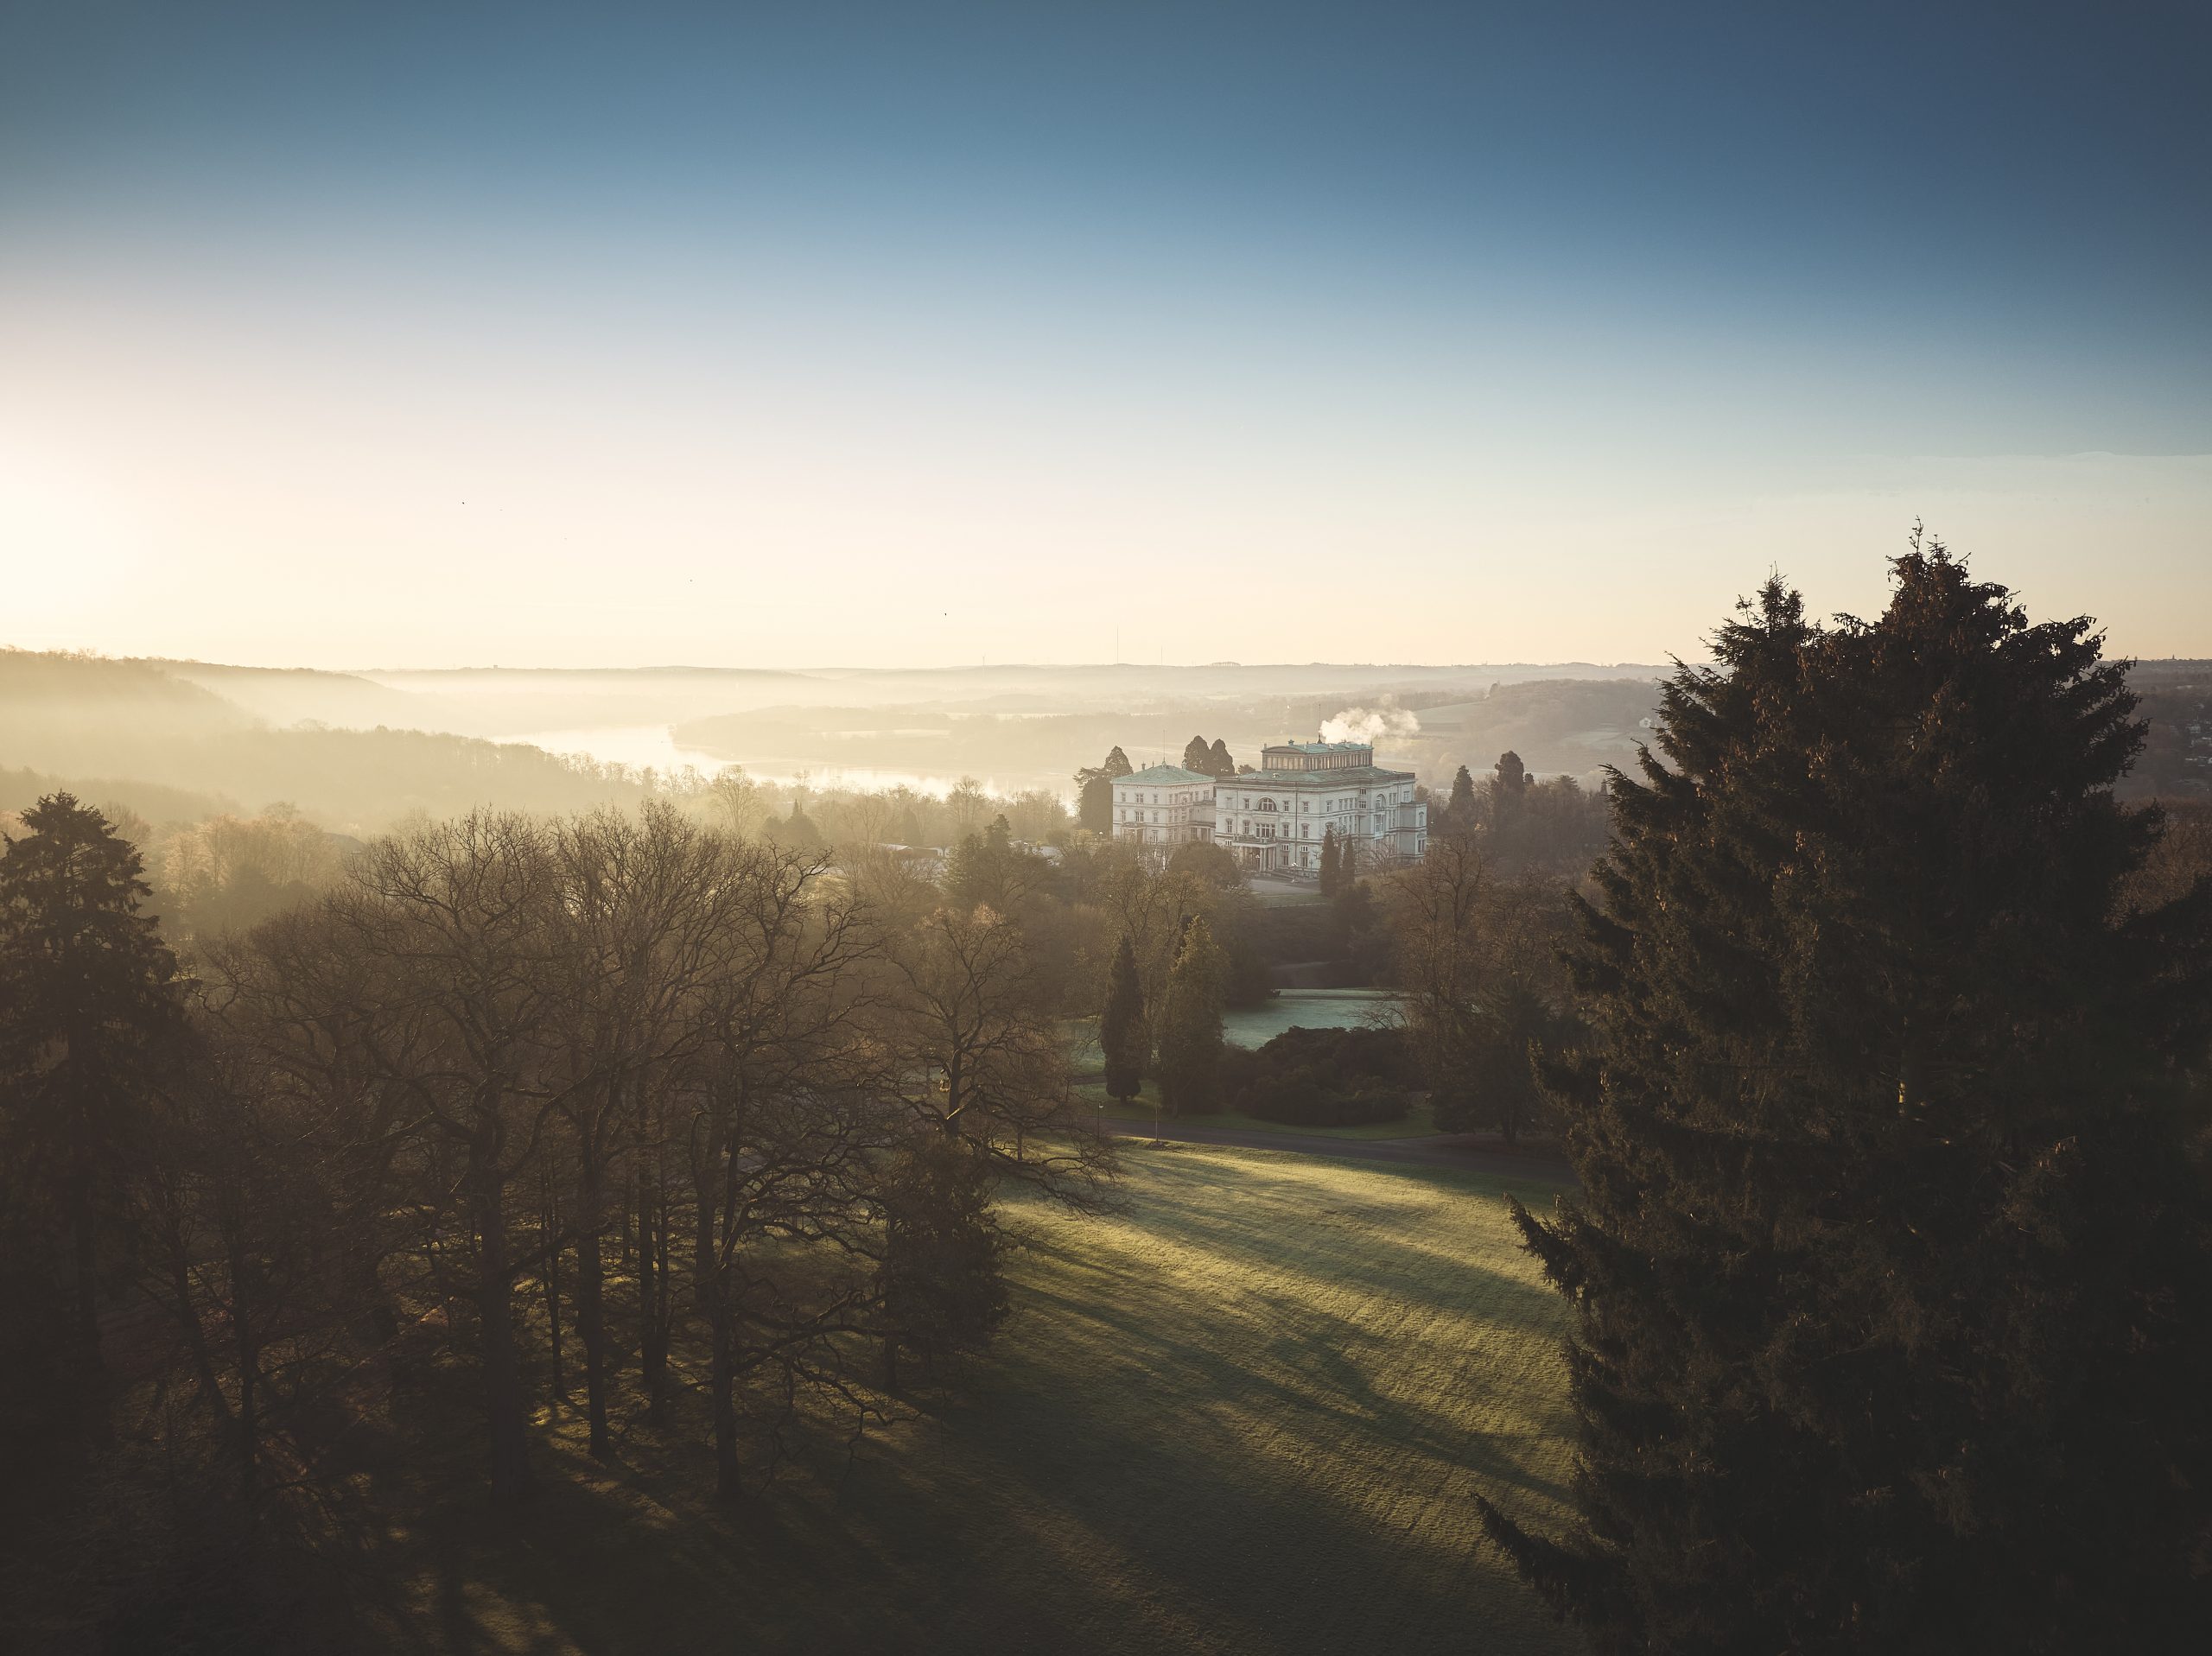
pixel 1276 816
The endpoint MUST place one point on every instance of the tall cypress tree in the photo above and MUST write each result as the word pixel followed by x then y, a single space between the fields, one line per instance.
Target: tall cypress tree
pixel 90 1019
pixel 1459 811
pixel 1197 756
pixel 1889 1265
pixel 1190 1023
pixel 1220 766
pixel 1121 1026
pixel 1331 863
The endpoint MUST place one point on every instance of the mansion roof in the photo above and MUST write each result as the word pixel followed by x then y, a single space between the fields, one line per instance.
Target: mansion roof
pixel 1171 775
pixel 1353 776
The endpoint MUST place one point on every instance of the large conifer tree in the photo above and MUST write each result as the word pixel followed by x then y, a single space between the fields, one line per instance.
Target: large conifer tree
pixel 90 1019
pixel 1188 1074
pixel 1459 810
pixel 1121 1035
pixel 1889 1263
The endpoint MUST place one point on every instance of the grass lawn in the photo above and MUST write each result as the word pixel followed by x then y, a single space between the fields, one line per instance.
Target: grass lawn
pixel 1244 1415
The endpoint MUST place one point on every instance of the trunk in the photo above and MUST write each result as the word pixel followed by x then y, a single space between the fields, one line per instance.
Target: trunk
pixel 195 1337
pixel 379 1319
pixel 503 1397
pixel 654 1300
pixel 549 1230
pixel 714 1303
pixel 85 1268
pixel 725 1386
pixel 633 1218
pixel 249 1418
pixel 591 1317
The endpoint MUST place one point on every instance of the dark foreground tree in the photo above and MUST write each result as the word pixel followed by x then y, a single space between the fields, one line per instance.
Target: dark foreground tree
pixel 1890 1263
pixel 1121 1035
pixel 90 1020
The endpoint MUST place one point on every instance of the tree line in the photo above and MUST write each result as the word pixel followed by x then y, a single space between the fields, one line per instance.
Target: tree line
pixel 613 1114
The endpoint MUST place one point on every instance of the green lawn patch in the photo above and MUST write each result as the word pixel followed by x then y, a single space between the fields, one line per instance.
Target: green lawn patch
pixel 1246 1414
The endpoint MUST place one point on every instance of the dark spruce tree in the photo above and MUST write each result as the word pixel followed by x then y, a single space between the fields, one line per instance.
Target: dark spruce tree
pixel 1459 810
pixel 90 1027
pixel 1122 1036
pixel 1888 1264
pixel 1197 756
pixel 1095 792
pixel 1220 766
pixel 1331 863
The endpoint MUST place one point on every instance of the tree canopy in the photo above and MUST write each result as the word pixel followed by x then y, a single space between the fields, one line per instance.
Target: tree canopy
pixel 1890 1264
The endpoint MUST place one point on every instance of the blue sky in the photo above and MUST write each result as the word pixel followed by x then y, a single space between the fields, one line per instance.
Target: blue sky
pixel 924 334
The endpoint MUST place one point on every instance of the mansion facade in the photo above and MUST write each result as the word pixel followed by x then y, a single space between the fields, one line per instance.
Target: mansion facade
pixel 1277 817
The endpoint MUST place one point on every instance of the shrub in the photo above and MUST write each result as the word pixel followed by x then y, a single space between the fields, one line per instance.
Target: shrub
pixel 1321 1077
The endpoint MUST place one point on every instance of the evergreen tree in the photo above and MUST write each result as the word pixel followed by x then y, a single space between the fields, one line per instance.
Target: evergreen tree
pixel 1219 765
pixel 988 868
pixel 1121 1035
pixel 1512 775
pixel 1889 1265
pixel 1198 757
pixel 797 831
pixel 90 1027
pixel 1459 812
pixel 1095 792
pixel 1332 862
pixel 1190 1023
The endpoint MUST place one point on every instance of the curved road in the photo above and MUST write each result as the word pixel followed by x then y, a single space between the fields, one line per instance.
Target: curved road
pixel 1469 1154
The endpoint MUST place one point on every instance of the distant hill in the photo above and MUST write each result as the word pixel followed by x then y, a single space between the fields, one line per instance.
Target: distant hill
pixel 290 695
pixel 1556 725
pixel 140 734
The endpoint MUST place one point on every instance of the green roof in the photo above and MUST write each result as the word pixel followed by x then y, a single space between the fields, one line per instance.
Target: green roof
pixel 1349 775
pixel 1171 774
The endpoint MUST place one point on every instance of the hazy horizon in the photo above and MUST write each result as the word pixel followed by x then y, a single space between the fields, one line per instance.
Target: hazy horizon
pixel 410 337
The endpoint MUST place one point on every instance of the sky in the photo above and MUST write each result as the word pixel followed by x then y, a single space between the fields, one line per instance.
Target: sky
pixel 914 334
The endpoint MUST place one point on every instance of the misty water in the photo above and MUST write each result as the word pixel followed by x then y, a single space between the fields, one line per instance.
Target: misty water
pixel 655 747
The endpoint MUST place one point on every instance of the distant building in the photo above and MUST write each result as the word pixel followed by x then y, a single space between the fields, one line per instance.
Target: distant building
pixel 1163 806
pixel 1277 817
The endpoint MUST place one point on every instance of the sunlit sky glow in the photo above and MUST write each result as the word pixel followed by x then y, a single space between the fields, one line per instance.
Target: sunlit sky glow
pixel 398 335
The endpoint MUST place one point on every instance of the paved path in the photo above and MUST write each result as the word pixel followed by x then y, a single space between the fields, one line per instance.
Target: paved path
pixel 1473 1155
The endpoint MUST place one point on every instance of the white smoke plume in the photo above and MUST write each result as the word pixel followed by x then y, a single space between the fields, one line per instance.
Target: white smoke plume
pixel 1371 724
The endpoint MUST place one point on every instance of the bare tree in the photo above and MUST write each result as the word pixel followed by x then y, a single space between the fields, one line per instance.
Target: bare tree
pixel 786 1113
pixel 633 950
pixel 1477 959
pixel 458 923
